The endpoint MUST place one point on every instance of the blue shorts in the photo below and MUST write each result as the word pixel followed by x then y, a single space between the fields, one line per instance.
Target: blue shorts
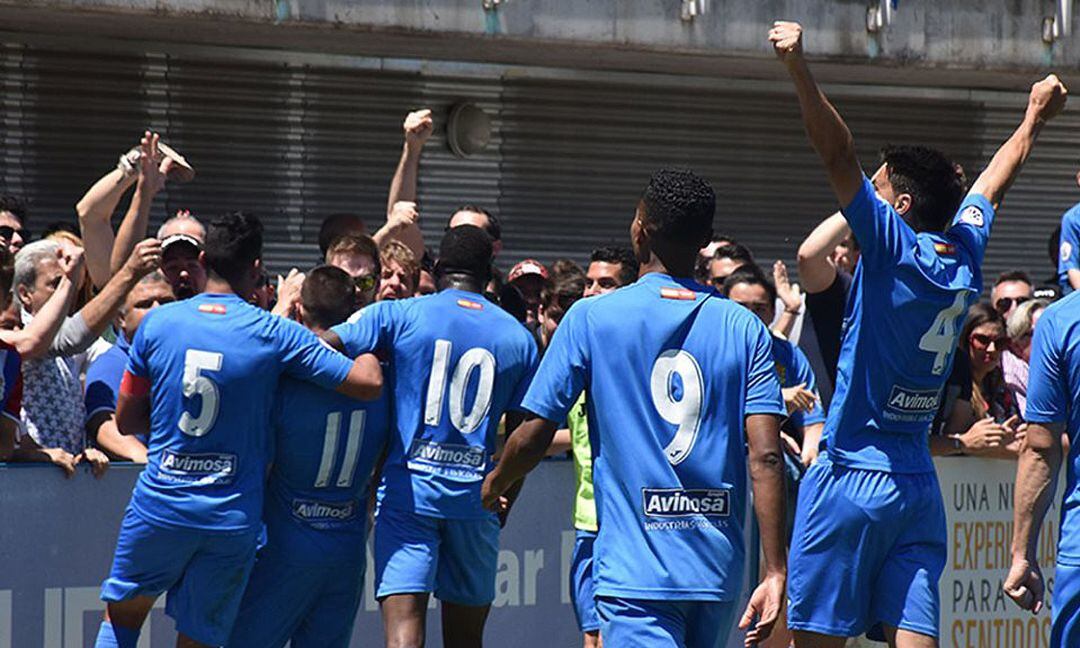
pixel 454 559
pixel 868 549
pixel 582 585
pixel 203 573
pixel 659 624
pixel 1065 630
pixel 313 605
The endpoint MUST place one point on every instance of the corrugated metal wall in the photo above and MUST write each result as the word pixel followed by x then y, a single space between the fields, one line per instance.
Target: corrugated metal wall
pixel 295 141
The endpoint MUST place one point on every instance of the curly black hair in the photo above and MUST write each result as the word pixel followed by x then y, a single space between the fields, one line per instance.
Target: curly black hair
pixel 933 181
pixel 233 242
pixel 623 256
pixel 678 206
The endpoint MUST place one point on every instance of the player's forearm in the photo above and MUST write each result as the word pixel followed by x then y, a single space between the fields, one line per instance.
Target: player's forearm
pixel 1074 279
pixel 365 379
pixel 133 414
pixel 1005 166
pixel 100 311
pixel 36 339
pixel 134 226
pixel 403 184
pixel 524 449
pixel 767 480
pixel 816 271
pixel 828 133
pixel 1036 475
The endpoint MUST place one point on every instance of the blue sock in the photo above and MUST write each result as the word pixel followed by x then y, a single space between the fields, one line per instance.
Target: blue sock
pixel 110 636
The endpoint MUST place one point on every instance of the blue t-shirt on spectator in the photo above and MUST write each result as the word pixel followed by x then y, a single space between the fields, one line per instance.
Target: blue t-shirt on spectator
pixel 103 381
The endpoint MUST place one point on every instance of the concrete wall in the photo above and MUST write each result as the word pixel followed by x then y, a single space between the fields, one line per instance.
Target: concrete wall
pixel 998 41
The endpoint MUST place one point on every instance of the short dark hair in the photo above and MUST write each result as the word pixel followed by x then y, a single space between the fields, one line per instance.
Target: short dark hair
pixel 1013 275
pixel 465 249
pixel 337 225
pixel 679 206
pixel 735 252
pixel 932 180
pixel 327 296
pixel 233 243
pixel 494 227
pixel 752 276
pixel 624 256
pixel 15 205
pixel 559 295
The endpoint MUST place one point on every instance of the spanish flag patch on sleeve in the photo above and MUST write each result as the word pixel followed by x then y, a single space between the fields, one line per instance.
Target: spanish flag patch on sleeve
pixel 677 293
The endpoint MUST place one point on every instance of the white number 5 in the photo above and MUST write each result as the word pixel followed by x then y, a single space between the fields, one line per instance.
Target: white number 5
pixel 940 339
pixel 196 361
pixel 685 412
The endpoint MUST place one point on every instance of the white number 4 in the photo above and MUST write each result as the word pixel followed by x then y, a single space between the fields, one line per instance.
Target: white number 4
pixel 940 339
pixel 195 362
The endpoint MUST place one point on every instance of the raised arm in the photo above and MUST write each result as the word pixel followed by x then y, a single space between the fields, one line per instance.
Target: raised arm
pixel 1036 475
pixel 816 269
pixel 100 311
pixel 95 210
pixel 418 128
pixel 767 480
pixel 827 131
pixel 35 340
pixel 1046 100
pixel 153 169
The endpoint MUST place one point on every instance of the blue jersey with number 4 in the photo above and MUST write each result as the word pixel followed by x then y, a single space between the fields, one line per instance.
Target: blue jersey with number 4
pixel 213 362
pixel 672 370
pixel 908 300
pixel 458 363
pixel 1054 397
pixel 325 447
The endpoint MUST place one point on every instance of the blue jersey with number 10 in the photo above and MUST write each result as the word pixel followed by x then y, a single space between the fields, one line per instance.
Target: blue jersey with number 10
pixel 672 370
pixel 213 362
pixel 908 300
pixel 458 363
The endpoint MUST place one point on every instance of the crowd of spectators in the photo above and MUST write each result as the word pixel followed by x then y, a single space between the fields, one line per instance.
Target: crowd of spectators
pixel 73 300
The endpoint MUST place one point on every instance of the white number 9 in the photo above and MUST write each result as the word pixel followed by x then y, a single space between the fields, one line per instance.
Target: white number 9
pixel 196 361
pixel 685 412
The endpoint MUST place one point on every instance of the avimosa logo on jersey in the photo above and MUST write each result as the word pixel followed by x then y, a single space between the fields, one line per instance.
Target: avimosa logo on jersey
pixel 677 293
pixel 322 513
pixel 454 461
pixel 677 502
pixel 911 401
pixel 197 469
pixel 213 309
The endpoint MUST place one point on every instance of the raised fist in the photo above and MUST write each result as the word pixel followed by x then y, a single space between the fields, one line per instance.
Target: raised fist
pixel 1047 97
pixel 786 39
pixel 418 127
pixel 71 265
pixel 402 214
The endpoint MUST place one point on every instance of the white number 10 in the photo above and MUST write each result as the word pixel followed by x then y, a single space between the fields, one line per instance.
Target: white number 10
pixel 685 412
pixel 195 362
pixel 475 358
pixel 940 338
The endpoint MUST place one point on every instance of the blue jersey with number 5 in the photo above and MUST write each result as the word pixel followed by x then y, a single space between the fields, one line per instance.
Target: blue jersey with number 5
pixel 325 447
pixel 908 301
pixel 672 370
pixel 213 362
pixel 458 362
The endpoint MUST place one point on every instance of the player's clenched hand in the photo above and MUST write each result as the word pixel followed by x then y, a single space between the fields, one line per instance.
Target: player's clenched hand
pixel 402 215
pixel 1047 97
pixel 1024 585
pixel 418 127
pixel 491 496
pixel 798 398
pixel 765 604
pixel 288 291
pixel 786 39
pixel 145 258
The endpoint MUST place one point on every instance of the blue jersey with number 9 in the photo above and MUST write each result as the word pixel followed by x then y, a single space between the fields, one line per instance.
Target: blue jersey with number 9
pixel 908 301
pixel 213 362
pixel 672 369
pixel 458 362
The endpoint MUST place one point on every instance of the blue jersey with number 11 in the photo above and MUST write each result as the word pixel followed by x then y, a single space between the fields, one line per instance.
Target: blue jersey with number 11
pixel 458 363
pixel 672 370
pixel 908 300
pixel 213 363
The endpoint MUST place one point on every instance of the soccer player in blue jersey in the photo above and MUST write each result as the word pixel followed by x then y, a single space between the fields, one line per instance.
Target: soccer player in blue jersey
pixel 201 379
pixel 869 542
pixel 680 381
pixel 307 580
pixel 458 363
pixel 1053 408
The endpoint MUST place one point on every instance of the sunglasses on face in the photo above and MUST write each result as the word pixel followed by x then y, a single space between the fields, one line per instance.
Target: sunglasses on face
pixel 364 283
pixel 1005 304
pixel 7 232
pixel 985 340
